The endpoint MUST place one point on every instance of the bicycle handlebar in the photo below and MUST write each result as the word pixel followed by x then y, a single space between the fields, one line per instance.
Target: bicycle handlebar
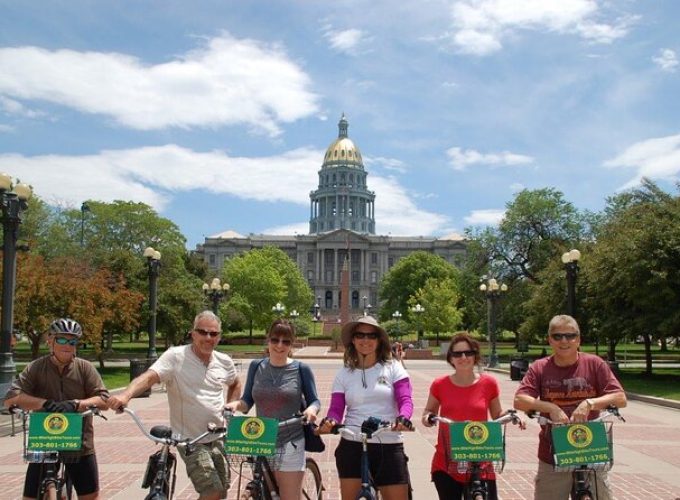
pixel 510 416
pixel 166 437
pixel 91 410
pixel 610 411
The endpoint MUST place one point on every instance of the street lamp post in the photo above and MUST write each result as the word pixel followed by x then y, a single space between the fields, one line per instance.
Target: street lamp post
pixel 293 315
pixel 13 202
pixel 153 262
pixel 278 309
pixel 84 207
pixel 397 316
pixel 215 291
pixel 418 310
pixel 570 260
pixel 493 292
pixel 315 318
pixel 364 299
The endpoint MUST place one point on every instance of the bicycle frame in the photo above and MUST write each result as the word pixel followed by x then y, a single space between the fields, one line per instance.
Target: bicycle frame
pixel 263 485
pixel 476 488
pixel 368 489
pixel 55 481
pixel 162 484
pixel 581 487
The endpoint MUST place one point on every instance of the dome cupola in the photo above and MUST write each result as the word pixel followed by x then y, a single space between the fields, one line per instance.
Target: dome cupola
pixel 342 152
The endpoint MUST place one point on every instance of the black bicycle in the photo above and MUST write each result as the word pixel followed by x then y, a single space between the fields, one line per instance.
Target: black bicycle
pixel 260 480
pixel 370 428
pixel 160 475
pixel 475 488
pixel 55 483
pixel 581 488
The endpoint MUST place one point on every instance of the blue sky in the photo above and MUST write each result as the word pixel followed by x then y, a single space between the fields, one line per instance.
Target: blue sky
pixel 218 113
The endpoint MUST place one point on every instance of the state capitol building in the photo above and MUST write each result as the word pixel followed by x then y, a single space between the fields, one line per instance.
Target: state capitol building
pixel 341 221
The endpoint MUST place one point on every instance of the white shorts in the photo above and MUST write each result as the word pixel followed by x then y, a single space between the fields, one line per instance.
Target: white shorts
pixel 290 457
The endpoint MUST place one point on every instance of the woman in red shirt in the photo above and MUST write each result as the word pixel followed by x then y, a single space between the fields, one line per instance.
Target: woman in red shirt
pixel 461 396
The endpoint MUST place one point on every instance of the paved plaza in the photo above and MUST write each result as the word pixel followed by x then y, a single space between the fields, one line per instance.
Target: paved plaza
pixel 647 447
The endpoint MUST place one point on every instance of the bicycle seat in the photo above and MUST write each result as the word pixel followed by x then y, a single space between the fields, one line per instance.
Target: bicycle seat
pixel 161 431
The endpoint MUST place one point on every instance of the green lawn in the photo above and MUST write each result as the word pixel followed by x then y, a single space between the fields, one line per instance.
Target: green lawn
pixel 663 383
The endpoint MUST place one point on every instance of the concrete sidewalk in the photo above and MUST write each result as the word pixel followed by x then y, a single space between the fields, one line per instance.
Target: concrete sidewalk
pixel 646 449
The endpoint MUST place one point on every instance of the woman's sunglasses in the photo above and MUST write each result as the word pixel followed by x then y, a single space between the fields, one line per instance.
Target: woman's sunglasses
pixel 279 340
pixel 459 354
pixel 65 341
pixel 362 335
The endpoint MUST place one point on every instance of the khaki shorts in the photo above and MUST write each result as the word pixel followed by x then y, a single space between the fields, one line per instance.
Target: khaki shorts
pixel 551 485
pixel 207 468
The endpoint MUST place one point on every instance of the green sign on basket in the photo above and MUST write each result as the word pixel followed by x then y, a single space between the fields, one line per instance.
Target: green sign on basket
pixel 476 441
pixel 251 436
pixel 580 444
pixel 55 431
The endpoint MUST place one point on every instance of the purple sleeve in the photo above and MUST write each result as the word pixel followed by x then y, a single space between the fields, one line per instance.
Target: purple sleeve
pixel 403 395
pixel 336 410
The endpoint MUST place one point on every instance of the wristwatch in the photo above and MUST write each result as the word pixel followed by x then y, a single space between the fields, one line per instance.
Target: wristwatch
pixel 590 403
pixel 77 403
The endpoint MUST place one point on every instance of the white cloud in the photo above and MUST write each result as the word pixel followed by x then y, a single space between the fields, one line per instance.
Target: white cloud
pixel 154 175
pixel 12 107
pixel 487 217
pixel 657 158
pixel 226 81
pixel 347 41
pixel 289 229
pixel 396 213
pixel 460 158
pixel 6 128
pixel 386 163
pixel 667 60
pixel 480 26
pixel 516 187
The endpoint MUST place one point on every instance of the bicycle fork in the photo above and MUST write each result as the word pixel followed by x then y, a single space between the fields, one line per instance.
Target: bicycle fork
pixel 581 486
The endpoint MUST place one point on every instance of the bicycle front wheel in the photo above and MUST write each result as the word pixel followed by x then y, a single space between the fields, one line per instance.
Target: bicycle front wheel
pixel 312 489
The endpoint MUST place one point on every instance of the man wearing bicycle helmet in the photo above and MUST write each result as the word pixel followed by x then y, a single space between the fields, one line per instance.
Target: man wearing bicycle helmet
pixel 60 382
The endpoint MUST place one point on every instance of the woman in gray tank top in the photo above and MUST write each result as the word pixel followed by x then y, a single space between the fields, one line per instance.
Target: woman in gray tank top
pixel 279 387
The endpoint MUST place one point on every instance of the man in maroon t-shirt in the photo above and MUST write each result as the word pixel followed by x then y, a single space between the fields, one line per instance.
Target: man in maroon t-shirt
pixel 569 386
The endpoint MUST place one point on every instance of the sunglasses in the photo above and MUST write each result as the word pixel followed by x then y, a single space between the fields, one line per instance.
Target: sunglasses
pixel 459 354
pixel 203 332
pixel 279 340
pixel 364 335
pixel 559 336
pixel 65 341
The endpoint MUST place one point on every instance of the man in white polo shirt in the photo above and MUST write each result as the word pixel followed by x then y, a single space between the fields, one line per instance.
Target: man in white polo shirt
pixel 200 380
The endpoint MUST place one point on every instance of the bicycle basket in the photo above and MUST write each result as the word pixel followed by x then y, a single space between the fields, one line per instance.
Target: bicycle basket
pixel 41 457
pixel 152 467
pixel 477 442
pixel 596 455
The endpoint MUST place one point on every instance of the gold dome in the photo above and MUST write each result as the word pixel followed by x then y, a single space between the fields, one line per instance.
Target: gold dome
pixel 343 152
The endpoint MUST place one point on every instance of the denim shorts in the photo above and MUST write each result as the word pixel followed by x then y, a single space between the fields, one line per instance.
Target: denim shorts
pixel 290 457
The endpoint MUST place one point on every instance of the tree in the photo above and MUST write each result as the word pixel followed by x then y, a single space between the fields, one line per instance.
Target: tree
pixel 634 268
pixel 68 287
pixel 262 277
pixel 536 226
pixel 409 275
pixel 439 298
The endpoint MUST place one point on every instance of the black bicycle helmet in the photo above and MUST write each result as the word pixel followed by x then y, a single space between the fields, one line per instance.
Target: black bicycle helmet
pixel 66 326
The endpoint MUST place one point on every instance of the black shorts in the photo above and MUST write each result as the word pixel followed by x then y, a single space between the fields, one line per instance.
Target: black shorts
pixel 387 462
pixel 84 474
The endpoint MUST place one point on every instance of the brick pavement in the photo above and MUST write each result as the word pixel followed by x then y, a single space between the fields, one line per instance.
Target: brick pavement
pixel 647 448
